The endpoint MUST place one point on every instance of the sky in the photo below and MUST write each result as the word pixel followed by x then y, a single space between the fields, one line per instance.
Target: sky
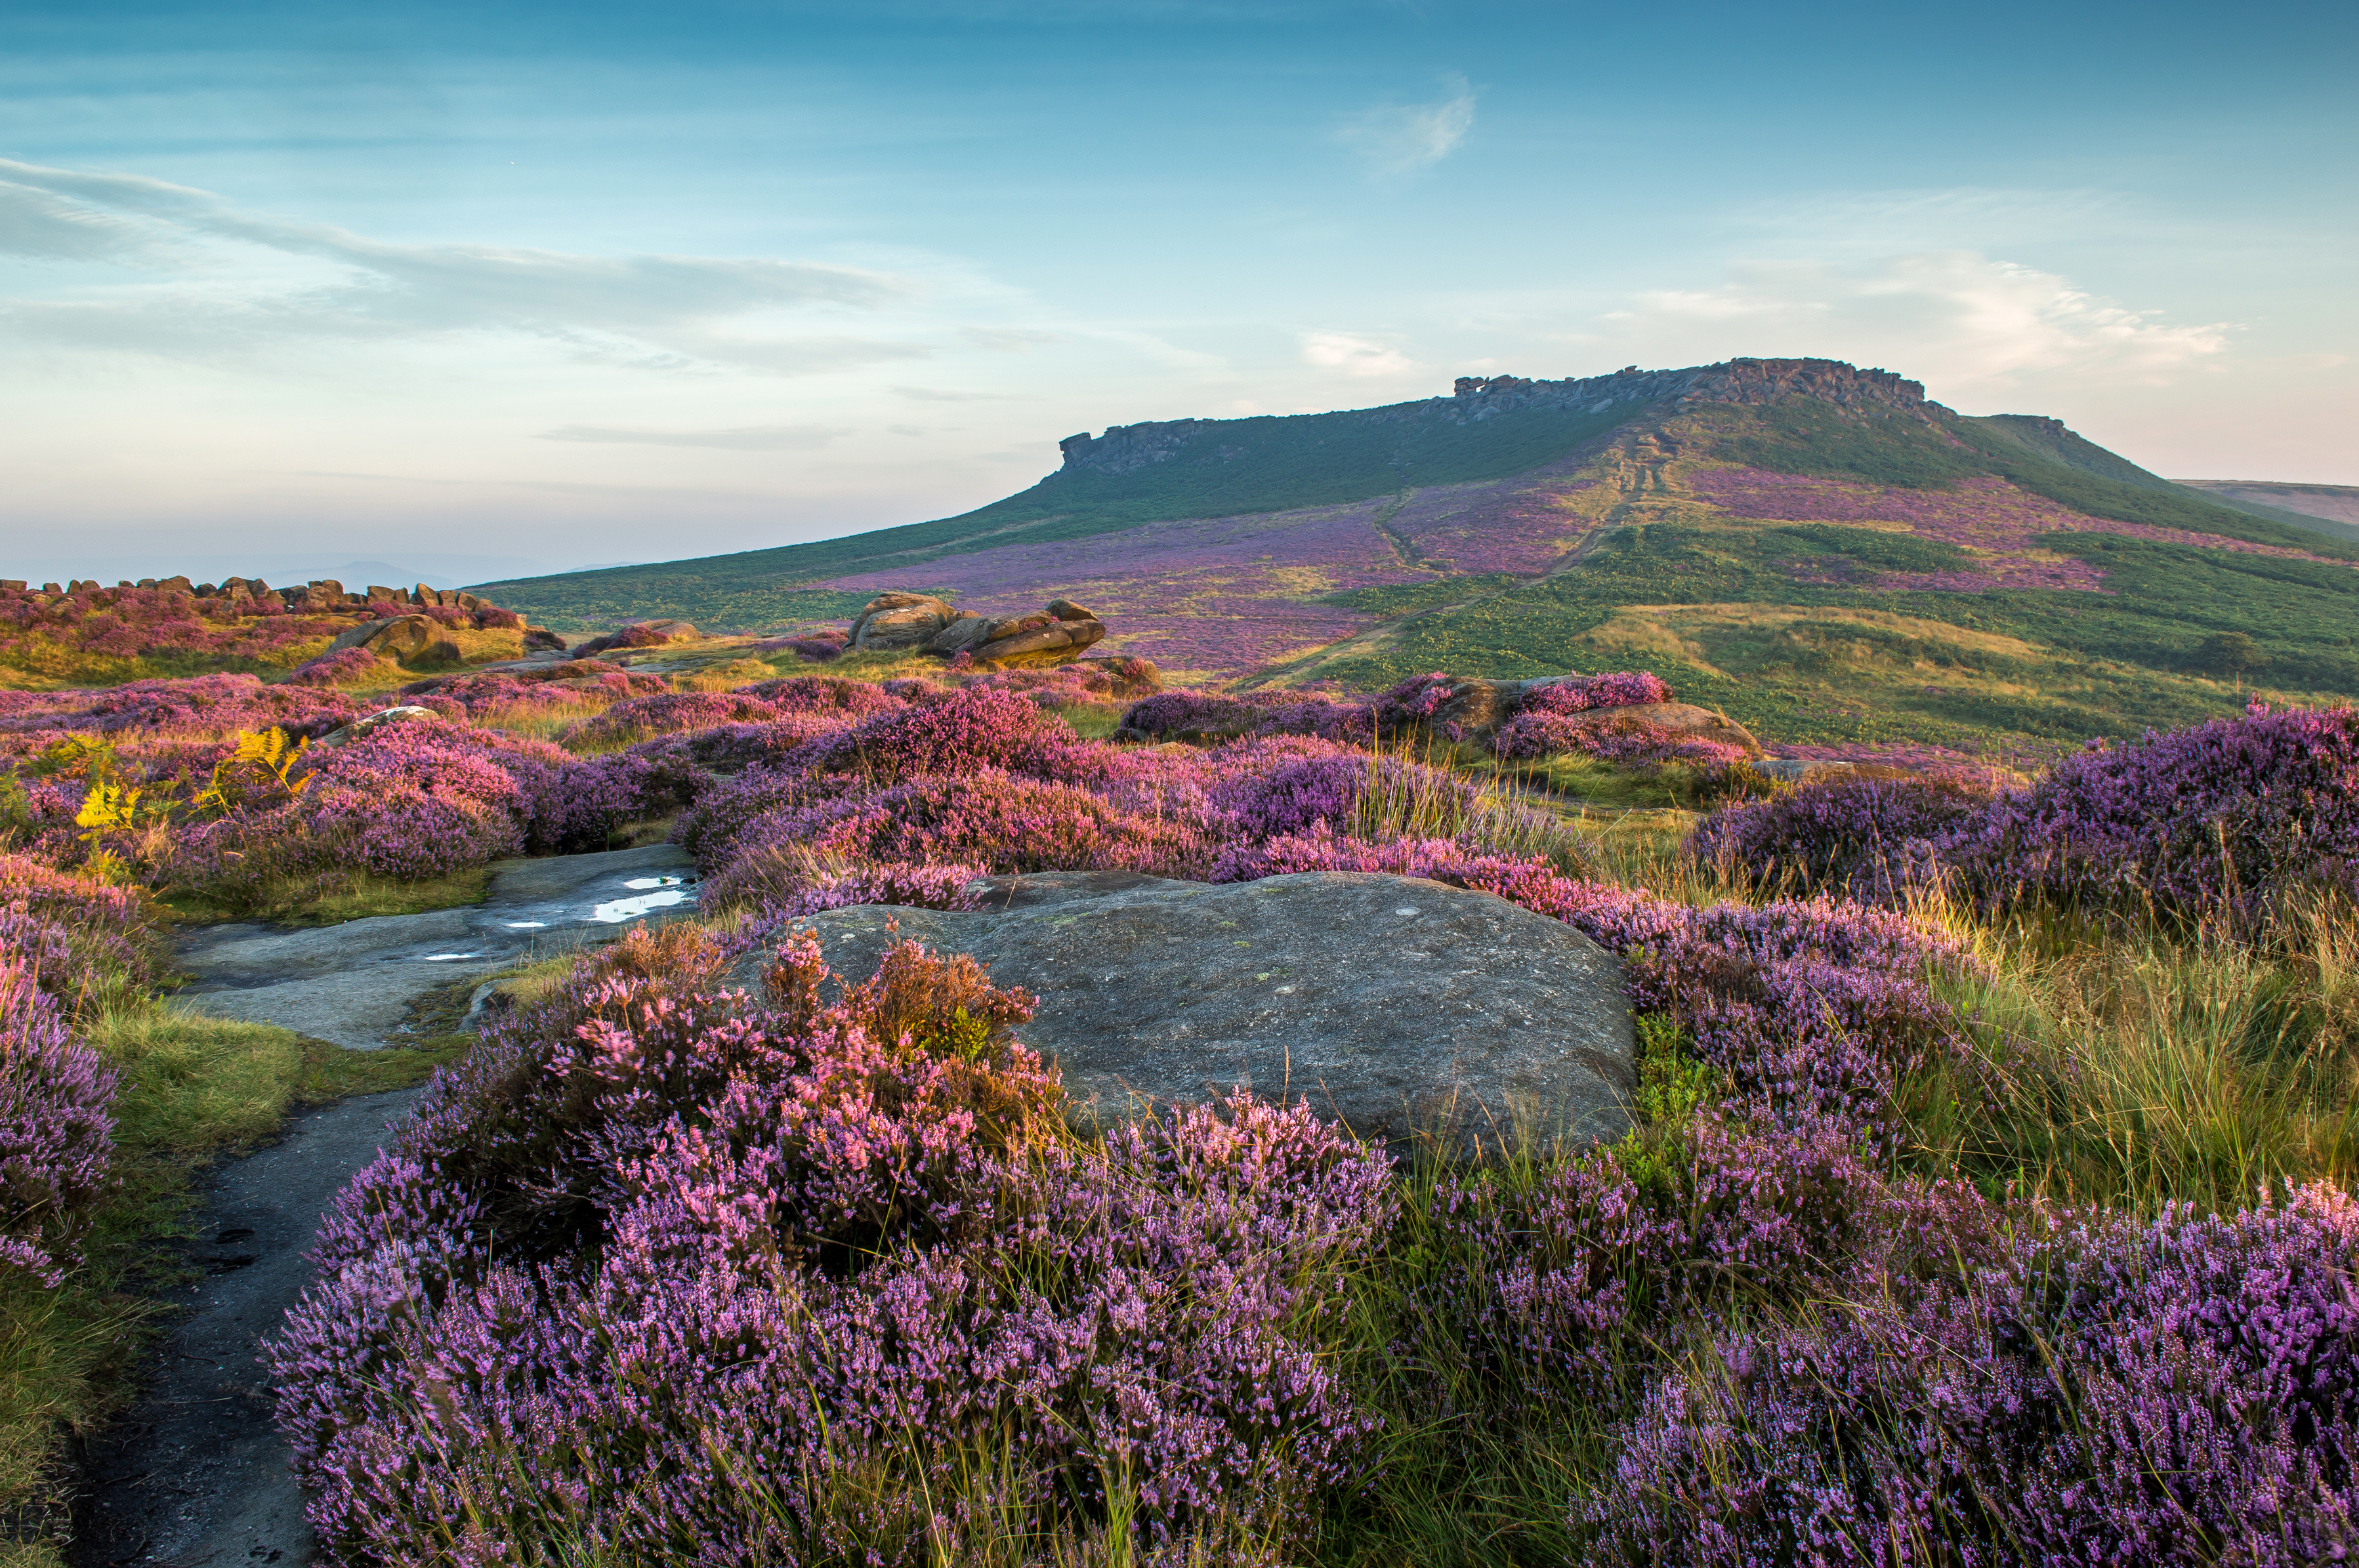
pixel 485 290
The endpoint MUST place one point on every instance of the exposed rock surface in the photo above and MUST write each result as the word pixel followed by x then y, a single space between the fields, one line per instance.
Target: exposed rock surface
pixel 1394 1004
pixel 353 984
pixel 896 623
pixel 359 727
pixel 1124 448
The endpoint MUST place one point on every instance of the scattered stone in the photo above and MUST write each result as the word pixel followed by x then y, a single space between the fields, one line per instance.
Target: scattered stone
pixel 1397 1004
pixel 368 722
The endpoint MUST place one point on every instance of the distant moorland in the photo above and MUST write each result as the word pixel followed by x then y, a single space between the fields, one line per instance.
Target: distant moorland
pixel 1817 549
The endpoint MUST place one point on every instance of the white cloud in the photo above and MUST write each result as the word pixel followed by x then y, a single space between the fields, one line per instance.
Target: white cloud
pixel 233 280
pixel 939 394
pixel 744 439
pixel 1401 138
pixel 1355 356
pixel 1959 321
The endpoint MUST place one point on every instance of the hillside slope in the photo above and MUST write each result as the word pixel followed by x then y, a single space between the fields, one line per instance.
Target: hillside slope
pixel 1818 547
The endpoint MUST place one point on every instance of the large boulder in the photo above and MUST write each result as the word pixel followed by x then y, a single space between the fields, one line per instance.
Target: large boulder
pixel 899 622
pixel 1394 1004
pixel 1056 635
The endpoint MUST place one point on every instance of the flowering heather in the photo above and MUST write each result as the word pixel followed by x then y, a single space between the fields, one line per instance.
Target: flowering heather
pixel 1583 694
pixel 679 1264
pixel 113 935
pixel 1985 514
pixel 665 715
pixel 1116 679
pixel 129 623
pixel 56 1131
pixel 783 883
pixel 1005 821
pixel 336 669
pixel 1632 743
pixel 216 704
pixel 827 695
pixel 464 696
pixel 2227 814
pixel 2097 1392
pixel 1222 596
pixel 965 729
pixel 1865 837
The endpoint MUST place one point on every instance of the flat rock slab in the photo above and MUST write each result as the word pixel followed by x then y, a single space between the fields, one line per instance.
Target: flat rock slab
pixel 196 1473
pixel 353 984
pixel 1394 1004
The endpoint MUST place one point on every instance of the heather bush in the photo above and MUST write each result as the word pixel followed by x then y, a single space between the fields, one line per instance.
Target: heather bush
pixel 786 880
pixel 2226 815
pixel 56 1134
pixel 1585 694
pixel 825 695
pixel 730 1281
pixel 336 669
pixel 668 713
pixel 958 731
pixel 2092 1393
pixel 983 817
pixel 1868 838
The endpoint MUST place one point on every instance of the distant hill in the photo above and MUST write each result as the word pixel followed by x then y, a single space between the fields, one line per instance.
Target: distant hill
pixel 2308 503
pixel 1820 548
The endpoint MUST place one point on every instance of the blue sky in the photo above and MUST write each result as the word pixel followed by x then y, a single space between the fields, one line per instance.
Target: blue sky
pixel 552 287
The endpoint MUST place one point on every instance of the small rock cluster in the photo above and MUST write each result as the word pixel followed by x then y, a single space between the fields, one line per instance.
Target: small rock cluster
pixel 642 634
pixel 912 622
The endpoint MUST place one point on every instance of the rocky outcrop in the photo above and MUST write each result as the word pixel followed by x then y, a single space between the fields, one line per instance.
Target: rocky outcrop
pixel 367 722
pixel 1395 1004
pixel 1125 448
pixel 904 622
pixel 641 635
pixel 896 623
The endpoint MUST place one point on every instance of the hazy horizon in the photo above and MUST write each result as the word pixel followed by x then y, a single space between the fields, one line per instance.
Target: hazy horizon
pixel 559 289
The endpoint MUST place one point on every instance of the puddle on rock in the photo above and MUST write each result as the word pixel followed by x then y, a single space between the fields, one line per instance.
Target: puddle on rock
pixel 638 884
pixel 623 909
pixel 445 958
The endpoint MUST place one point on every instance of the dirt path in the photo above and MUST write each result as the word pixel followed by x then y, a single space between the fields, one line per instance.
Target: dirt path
pixel 196 1473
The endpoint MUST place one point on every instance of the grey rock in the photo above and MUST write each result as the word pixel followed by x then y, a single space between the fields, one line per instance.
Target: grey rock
pixel 892 622
pixel 353 985
pixel 965 630
pixel 1394 1004
pixel 345 734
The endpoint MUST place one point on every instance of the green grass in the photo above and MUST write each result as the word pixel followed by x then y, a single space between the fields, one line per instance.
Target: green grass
pixel 350 895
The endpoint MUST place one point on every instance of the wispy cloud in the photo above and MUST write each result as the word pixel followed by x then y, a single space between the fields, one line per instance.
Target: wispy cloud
pixel 943 395
pixel 1355 356
pixel 744 439
pixel 1957 319
pixel 238 277
pixel 1401 138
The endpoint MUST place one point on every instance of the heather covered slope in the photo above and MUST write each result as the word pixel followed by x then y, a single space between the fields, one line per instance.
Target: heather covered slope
pixel 1818 547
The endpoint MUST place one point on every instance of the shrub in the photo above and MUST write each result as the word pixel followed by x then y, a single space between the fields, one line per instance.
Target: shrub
pixel 810 1263
pixel 1868 838
pixel 2226 814
pixel 2180 1393
pixel 1005 821
pixel 666 714
pixel 1586 694
pixel 962 731
pixel 56 1131
pixel 335 668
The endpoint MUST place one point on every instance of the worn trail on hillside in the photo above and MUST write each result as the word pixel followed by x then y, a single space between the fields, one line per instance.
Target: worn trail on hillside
pixel 196 1473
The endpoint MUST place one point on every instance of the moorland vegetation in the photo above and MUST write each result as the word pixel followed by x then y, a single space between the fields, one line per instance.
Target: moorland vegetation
pixel 1820 551
pixel 1987 1198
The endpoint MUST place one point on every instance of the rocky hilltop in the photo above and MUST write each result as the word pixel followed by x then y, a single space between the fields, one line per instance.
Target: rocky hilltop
pixel 1125 448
